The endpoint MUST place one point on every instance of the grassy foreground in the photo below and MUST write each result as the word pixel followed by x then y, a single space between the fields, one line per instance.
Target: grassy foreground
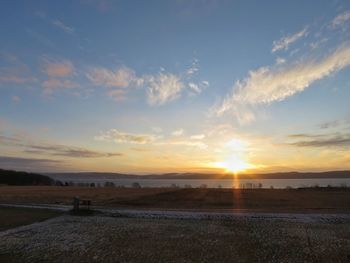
pixel 322 200
pixel 11 217
pixel 108 239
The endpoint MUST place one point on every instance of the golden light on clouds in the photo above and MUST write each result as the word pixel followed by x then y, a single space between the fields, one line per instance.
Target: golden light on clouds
pixel 236 145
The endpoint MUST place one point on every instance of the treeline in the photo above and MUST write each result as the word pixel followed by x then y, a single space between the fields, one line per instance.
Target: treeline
pixel 105 184
pixel 8 177
pixel 247 185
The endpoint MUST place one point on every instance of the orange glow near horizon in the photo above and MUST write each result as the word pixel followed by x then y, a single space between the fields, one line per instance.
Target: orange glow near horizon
pixel 234 164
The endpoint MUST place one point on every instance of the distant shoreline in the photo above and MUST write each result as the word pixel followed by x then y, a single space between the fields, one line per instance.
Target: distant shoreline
pixel 191 176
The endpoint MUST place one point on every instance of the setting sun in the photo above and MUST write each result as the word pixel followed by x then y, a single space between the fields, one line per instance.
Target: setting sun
pixel 234 164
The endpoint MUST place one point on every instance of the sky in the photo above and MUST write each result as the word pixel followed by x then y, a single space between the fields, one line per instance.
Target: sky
pixel 175 86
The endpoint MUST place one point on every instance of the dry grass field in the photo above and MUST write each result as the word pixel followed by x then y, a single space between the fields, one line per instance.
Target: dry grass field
pixel 322 200
pixel 65 195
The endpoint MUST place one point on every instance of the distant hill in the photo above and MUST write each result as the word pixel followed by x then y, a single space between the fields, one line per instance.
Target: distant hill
pixel 23 178
pixel 183 176
pixel 300 175
pixel 91 175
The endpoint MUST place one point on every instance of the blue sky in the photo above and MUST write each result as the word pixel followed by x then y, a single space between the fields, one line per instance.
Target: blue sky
pixel 161 86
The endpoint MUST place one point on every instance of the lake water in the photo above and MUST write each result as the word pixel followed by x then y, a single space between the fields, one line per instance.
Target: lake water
pixel 224 183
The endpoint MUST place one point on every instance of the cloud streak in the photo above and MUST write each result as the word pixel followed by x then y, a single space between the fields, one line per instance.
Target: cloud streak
pixel 286 41
pixel 54 149
pixel 341 19
pixel 178 132
pixel 68 151
pixel 194 87
pixel 336 140
pixel 188 143
pixel 123 137
pixel 194 67
pixel 116 136
pixel 197 137
pixel 59 24
pixel 18 163
pixel 120 78
pixel 335 123
pixel 269 84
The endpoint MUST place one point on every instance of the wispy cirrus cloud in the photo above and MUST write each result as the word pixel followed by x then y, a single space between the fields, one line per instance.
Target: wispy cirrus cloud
pixel 338 140
pixel 68 151
pixel 55 22
pixel 44 148
pixel 184 142
pixel 205 83
pixel 194 87
pixel 5 140
pixel 176 139
pixel 119 78
pixel 340 123
pixel 280 61
pixel 118 81
pixel 276 83
pixel 28 164
pixel 341 19
pixel 304 135
pixel 163 88
pixel 67 29
pixel 197 136
pixel 124 137
pixel 178 132
pixel 197 88
pixel 193 68
pixel 286 41
pixel 333 134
